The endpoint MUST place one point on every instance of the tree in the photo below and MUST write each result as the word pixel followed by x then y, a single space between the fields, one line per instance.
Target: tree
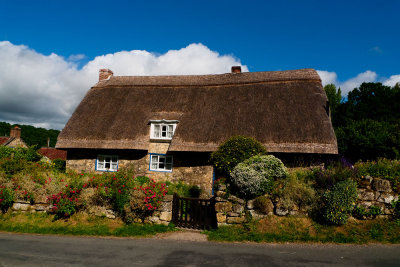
pixel 369 139
pixel 334 97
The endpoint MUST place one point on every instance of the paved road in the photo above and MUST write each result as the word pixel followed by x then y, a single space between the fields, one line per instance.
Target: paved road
pixel 40 250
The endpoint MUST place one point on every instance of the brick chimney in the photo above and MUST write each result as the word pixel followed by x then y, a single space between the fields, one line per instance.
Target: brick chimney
pixel 15 132
pixel 236 69
pixel 105 74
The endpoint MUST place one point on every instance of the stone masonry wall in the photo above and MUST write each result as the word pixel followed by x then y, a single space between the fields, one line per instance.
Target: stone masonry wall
pixel 376 192
pixel 188 167
pixel 232 210
pixel 161 216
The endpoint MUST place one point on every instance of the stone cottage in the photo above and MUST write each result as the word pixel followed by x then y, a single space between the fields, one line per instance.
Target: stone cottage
pixel 167 126
pixel 14 140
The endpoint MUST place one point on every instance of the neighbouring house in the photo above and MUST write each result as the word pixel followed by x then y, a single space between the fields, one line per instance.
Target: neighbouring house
pixel 53 153
pixel 167 126
pixel 14 140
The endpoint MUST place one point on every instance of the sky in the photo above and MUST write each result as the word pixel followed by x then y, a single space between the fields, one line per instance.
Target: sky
pixel 51 51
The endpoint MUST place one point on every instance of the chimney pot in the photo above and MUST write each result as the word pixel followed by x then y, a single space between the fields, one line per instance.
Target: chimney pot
pixel 105 74
pixel 236 69
pixel 15 132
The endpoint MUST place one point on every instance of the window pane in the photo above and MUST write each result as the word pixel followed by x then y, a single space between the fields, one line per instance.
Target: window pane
pixel 107 165
pixel 161 163
pixel 100 165
pixel 154 163
pixel 168 167
pixel 156 130
pixel 164 131
pixel 169 160
pixel 114 166
pixel 101 158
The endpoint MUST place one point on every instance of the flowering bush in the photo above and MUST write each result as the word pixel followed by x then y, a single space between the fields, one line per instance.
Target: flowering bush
pixel 339 202
pixel 154 194
pixel 63 205
pixel 144 200
pixel 326 178
pixel 6 198
pixel 255 176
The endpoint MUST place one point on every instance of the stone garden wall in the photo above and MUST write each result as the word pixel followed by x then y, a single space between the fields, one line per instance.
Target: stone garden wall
pixel 376 192
pixel 161 216
pixel 232 210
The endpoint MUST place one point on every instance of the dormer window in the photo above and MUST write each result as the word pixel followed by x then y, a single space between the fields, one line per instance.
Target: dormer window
pixel 162 129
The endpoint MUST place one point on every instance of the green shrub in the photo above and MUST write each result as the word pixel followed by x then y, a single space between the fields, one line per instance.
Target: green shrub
pixel 5 152
pixel 374 211
pixel 256 175
pixel 360 212
pixel 396 209
pixel 339 202
pixel 294 191
pixel 382 168
pixel 59 164
pixel 12 166
pixel 28 154
pixel 6 198
pixel 142 180
pixel 178 187
pixel 235 150
pixel 194 191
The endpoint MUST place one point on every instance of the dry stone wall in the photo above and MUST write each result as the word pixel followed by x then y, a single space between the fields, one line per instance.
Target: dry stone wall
pixel 233 210
pixel 376 192
pixel 161 216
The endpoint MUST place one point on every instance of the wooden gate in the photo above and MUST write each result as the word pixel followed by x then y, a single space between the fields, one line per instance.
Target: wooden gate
pixel 194 213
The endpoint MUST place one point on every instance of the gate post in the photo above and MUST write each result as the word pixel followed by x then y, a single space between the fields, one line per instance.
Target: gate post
pixel 175 208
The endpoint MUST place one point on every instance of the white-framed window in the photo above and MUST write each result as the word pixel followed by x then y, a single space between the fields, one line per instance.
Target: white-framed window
pixel 162 129
pixel 107 163
pixel 160 162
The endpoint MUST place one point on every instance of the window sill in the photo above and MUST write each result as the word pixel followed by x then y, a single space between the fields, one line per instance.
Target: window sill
pixel 160 171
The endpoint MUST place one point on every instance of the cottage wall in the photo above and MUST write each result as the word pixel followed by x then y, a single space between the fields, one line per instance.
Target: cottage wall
pixel 17 142
pixel 191 168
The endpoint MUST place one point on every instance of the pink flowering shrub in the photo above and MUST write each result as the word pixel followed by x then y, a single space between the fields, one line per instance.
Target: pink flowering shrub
pixel 67 202
pixel 154 193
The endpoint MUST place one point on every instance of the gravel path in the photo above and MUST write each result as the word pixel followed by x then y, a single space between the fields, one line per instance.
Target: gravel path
pixel 186 235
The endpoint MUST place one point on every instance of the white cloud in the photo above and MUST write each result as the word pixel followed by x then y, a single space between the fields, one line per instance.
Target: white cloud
pixel 76 57
pixel 327 77
pixel 392 80
pixel 44 90
pixel 348 85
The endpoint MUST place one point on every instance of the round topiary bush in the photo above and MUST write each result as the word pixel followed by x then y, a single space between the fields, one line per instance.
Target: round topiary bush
pixel 256 175
pixel 235 150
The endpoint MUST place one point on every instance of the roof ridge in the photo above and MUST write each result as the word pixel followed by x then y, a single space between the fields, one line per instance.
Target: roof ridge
pixel 212 79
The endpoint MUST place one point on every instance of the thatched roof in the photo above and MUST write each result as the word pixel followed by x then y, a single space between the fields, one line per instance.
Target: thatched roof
pixel 285 110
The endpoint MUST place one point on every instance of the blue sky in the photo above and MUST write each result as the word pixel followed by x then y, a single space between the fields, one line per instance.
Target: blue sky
pixel 347 41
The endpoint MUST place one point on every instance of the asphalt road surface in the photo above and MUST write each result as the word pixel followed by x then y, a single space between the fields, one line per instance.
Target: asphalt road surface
pixel 47 250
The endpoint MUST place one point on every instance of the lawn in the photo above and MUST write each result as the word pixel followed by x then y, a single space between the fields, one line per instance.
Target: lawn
pixel 292 229
pixel 78 224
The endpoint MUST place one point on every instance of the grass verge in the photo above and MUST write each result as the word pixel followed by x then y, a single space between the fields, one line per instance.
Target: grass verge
pixel 78 224
pixel 290 229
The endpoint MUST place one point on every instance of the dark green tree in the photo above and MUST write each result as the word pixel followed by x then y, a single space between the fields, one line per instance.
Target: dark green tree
pixel 32 135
